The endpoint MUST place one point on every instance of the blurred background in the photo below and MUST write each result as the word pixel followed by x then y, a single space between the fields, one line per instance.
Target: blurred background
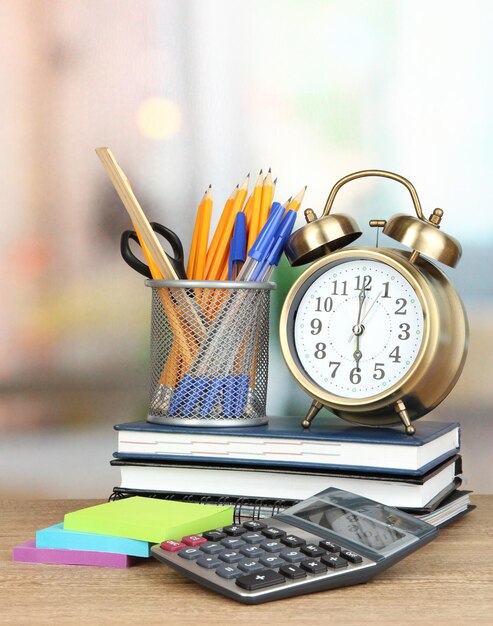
pixel 193 92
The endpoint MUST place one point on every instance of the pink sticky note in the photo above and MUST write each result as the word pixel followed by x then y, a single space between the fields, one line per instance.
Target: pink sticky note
pixel 28 553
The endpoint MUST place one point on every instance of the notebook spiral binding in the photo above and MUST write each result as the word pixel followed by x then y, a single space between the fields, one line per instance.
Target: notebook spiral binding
pixel 244 508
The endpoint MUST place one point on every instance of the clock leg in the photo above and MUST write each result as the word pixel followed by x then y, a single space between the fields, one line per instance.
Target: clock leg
pixel 400 408
pixel 312 412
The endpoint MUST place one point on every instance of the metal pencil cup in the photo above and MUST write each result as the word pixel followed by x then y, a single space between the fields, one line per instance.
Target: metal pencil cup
pixel 209 352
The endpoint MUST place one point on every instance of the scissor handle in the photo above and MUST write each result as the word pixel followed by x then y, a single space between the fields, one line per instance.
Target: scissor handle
pixel 129 257
pixel 177 260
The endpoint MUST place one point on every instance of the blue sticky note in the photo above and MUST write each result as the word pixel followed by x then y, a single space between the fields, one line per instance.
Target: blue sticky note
pixel 59 538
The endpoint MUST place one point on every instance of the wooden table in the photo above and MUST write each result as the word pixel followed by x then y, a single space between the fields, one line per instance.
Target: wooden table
pixel 449 581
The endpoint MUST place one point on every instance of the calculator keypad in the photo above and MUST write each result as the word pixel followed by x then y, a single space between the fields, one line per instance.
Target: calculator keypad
pixel 255 556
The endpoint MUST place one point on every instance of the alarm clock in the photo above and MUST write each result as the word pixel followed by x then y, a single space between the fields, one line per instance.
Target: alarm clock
pixel 377 335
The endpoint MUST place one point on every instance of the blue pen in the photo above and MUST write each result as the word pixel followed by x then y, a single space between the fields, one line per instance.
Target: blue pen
pixel 264 270
pixel 237 250
pixel 262 245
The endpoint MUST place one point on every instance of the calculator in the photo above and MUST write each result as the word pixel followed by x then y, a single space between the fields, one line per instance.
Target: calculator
pixel 333 539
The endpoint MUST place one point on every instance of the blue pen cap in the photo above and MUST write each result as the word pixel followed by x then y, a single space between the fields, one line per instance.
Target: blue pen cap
pixel 263 243
pixel 282 236
pixel 239 239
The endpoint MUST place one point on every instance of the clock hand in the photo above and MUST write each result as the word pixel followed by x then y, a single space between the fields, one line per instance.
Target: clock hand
pixel 365 315
pixel 358 327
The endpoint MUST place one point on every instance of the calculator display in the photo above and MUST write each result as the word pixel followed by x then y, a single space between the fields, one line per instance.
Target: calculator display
pixel 350 524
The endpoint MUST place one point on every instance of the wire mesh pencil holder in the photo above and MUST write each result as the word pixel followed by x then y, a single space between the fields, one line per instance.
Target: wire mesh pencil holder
pixel 209 352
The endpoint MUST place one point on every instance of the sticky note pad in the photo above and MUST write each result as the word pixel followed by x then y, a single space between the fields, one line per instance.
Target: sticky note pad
pixel 148 519
pixel 29 553
pixel 58 537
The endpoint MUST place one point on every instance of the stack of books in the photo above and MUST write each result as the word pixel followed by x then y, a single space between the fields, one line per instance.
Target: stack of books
pixel 264 469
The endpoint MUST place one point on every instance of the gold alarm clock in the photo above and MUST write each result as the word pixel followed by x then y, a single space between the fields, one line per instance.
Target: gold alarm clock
pixel 377 335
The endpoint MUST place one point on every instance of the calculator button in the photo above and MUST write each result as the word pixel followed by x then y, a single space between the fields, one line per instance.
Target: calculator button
pixel 313 566
pixel 232 543
pixel 254 525
pixel 329 546
pixel 351 556
pixel 209 562
pixel 234 530
pixel 252 551
pixel 260 580
pixel 252 537
pixel 272 561
pixel 211 547
pixel 271 546
pixel 250 566
pixel 214 535
pixel 226 571
pixel 273 533
pixel 194 540
pixel 292 556
pixel 292 541
pixel 230 557
pixel 190 553
pixel 172 546
pixel 292 571
pixel 312 550
pixel 334 561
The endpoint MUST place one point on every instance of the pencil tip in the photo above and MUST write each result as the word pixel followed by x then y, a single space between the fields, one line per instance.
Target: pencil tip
pixel 270 170
pixel 260 173
pixel 275 181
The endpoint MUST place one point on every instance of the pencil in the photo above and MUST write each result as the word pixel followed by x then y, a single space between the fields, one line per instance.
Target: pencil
pixel 195 239
pixel 221 256
pixel 295 203
pixel 253 223
pixel 219 229
pixel 205 211
pixel 266 203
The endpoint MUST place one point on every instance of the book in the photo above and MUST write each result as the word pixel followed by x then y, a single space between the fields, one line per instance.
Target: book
pixel 148 519
pixel 61 538
pixel 29 553
pixel 284 442
pixel 455 504
pixel 276 483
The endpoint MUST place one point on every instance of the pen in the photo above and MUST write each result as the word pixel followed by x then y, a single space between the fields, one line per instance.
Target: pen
pixel 237 251
pixel 261 247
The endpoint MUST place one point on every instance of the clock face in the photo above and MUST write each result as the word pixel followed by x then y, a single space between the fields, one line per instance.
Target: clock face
pixel 358 328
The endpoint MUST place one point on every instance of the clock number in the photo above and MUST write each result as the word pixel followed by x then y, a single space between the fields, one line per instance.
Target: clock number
pixel 327 305
pixel 401 306
pixel 316 325
pixel 386 290
pixel 405 331
pixel 336 363
pixel 395 355
pixel 335 288
pixel 363 282
pixel 320 352
pixel 379 373
pixel 355 376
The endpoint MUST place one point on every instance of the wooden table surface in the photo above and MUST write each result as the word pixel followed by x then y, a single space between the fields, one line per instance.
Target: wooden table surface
pixel 449 581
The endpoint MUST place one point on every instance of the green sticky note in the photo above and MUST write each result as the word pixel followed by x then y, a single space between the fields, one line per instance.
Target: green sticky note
pixel 148 519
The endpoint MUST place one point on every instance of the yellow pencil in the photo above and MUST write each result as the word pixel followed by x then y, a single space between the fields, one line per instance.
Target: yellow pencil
pixel 266 203
pixel 295 203
pixel 219 230
pixel 195 239
pixel 205 211
pixel 222 251
pixel 253 224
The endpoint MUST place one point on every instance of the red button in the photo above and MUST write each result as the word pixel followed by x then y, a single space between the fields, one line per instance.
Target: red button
pixel 172 546
pixel 194 540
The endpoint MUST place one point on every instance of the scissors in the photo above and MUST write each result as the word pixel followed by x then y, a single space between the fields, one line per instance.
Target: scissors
pixel 176 260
